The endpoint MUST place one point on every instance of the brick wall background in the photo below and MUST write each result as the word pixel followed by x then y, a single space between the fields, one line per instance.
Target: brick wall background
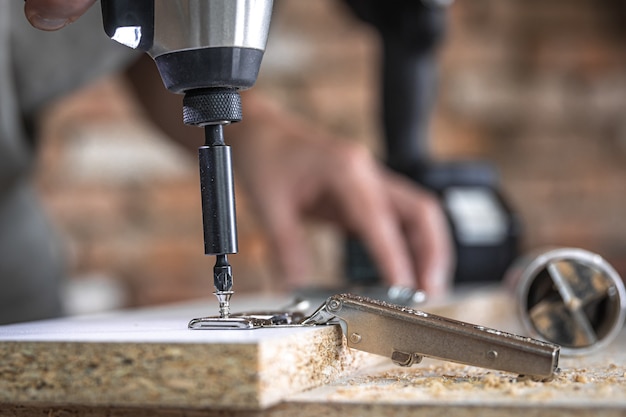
pixel 537 88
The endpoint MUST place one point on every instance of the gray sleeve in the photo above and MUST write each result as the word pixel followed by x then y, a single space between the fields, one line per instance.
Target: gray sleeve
pixel 50 64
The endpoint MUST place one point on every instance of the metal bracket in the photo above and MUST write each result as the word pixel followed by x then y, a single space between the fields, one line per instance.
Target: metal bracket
pixel 406 335
pixel 246 321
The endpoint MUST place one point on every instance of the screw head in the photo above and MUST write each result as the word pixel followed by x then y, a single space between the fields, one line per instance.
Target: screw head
pixel 334 305
pixel 355 338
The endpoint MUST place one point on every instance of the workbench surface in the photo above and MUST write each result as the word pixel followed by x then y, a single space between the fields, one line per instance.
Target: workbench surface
pixel 347 385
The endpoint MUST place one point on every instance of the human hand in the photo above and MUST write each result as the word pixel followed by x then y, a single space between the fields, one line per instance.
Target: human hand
pixel 54 14
pixel 293 171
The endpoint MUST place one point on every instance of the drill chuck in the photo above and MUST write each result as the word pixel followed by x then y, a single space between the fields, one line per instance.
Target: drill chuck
pixel 211 106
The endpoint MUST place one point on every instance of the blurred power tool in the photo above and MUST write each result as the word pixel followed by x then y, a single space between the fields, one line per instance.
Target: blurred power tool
pixel 569 296
pixel 207 50
pixel 485 229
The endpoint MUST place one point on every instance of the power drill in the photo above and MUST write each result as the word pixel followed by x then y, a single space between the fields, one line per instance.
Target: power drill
pixel 207 50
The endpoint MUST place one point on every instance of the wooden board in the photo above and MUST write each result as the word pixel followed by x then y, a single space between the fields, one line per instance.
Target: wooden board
pixel 149 358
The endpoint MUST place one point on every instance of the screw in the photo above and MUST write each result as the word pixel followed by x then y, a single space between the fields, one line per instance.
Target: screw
pixel 334 305
pixel 355 338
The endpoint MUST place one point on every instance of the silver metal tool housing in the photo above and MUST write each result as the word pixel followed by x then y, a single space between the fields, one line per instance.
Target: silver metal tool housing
pixel 163 26
pixel 196 44
pixel 195 24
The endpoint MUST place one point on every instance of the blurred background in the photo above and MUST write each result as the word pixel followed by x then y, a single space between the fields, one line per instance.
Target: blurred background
pixel 536 88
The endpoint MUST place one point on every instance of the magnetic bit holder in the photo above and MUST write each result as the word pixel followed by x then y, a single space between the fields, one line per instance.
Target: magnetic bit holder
pixel 569 296
pixel 406 335
pixel 212 108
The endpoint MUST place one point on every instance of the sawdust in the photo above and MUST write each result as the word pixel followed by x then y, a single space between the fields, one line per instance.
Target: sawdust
pixel 583 379
pixel 452 383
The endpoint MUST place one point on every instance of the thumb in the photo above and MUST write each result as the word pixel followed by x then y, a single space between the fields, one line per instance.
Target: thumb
pixel 55 14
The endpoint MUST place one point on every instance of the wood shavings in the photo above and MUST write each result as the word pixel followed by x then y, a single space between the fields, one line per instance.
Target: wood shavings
pixel 434 382
pixel 581 378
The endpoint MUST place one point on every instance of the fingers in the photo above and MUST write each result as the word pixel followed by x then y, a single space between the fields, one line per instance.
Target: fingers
pixel 55 14
pixel 427 233
pixel 402 225
pixel 362 198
